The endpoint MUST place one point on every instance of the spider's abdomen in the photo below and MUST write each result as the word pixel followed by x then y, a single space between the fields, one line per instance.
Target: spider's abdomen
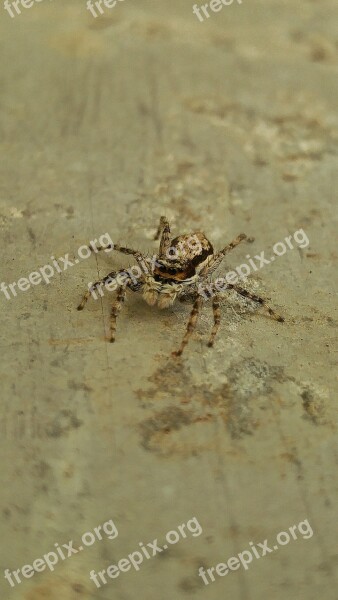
pixel 193 248
pixel 186 253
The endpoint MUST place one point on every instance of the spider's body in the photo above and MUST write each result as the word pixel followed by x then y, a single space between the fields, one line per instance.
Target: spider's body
pixel 183 257
pixel 179 269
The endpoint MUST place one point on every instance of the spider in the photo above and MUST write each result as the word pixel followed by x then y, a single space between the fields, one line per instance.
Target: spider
pixel 169 278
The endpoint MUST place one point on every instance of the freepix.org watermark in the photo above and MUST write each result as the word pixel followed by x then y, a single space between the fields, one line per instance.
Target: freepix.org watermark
pixel 47 272
pixel 62 552
pixel 221 284
pixel 134 273
pixel 258 550
pixel 14 7
pixel 97 7
pixel 214 5
pixel 146 551
pixel 254 264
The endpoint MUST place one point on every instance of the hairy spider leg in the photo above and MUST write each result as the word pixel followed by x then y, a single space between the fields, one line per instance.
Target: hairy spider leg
pixel 137 255
pixel 100 248
pixel 217 320
pixel 246 294
pixel 93 287
pixel 191 326
pixel 217 258
pixel 115 309
pixel 163 228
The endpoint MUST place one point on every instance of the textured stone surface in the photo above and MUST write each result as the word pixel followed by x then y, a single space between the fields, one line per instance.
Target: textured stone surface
pixel 226 126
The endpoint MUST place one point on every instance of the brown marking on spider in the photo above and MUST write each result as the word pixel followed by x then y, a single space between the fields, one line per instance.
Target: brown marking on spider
pixel 177 272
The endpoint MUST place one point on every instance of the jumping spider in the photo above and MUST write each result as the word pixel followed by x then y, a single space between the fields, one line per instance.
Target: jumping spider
pixel 169 278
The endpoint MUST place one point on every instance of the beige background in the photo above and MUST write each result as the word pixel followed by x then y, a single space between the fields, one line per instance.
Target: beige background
pixel 228 125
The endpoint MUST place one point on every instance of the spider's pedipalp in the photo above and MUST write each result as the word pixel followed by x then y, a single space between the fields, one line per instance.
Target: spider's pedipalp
pixel 150 290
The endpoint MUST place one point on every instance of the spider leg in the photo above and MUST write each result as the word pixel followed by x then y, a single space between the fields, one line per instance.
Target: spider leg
pixel 163 231
pixel 100 248
pixel 137 255
pixel 259 299
pixel 216 260
pixel 94 248
pixel 93 287
pixel 115 309
pixel 217 320
pixel 190 327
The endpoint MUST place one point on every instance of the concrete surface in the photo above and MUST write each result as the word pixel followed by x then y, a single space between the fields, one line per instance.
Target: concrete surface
pixel 228 125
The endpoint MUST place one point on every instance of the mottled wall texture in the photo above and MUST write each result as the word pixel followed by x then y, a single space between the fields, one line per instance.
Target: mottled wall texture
pixel 129 473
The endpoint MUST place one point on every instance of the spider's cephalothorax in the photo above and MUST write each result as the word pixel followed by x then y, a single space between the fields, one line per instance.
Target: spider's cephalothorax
pixel 177 272
pixel 175 268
